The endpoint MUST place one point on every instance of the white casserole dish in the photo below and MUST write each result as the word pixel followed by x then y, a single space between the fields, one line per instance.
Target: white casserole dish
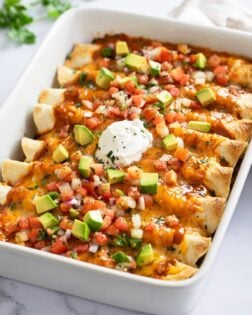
pixel 80 278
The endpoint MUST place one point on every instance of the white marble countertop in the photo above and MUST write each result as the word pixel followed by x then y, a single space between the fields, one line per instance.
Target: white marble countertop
pixel 228 291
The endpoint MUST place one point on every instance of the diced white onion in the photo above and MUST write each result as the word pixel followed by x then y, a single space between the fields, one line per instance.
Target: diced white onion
pixel 87 104
pixel 76 183
pixel 153 81
pixel 101 109
pixel 136 220
pixel 136 233
pixel 209 76
pixel 74 202
pixel 46 249
pixel 87 114
pixel 64 187
pixel 186 102
pixel 93 248
pixel 180 142
pixel 97 181
pixel 68 234
pixel 21 236
pixel 154 89
pixel 199 77
pixel 60 232
pixel 166 157
pixel 177 104
pixel 141 203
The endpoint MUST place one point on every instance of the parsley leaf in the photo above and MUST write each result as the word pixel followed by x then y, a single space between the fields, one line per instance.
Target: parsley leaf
pixel 22 36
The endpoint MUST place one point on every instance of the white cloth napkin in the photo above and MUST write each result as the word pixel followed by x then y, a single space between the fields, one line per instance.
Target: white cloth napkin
pixel 224 13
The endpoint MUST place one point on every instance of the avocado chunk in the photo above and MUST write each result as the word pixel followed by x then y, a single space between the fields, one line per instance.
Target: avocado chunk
pixel 135 62
pixel 73 213
pixel 82 135
pixel 200 61
pixel 60 154
pixel 170 142
pixel 44 203
pixel 148 183
pixel 124 80
pixel 120 257
pixel 103 78
pixel 85 166
pixel 80 230
pixel 93 219
pixel 48 220
pixel 115 176
pixel 165 97
pixel 199 125
pixel 146 256
pixel 155 68
pixel 122 48
pixel 205 96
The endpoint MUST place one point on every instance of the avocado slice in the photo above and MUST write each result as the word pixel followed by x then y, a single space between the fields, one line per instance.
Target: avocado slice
pixel 201 61
pixel 120 257
pixel 115 176
pixel 155 68
pixel 148 183
pixel 103 78
pixel 73 213
pixel 146 256
pixel 170 142
pixel 80 230
pixel 122 48
pixel 82 135
pixel 199 125
pixel 205 96
pixel 85 166
pixel 44 203
pixel 165 97
pixel 60 154
pixel 48 220
pixel 135 62
pixel 93 219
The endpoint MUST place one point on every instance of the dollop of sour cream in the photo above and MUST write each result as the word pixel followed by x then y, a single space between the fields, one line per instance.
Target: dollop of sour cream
pixel 123 143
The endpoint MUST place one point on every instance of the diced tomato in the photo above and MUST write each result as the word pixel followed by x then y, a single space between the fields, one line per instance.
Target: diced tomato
pixel 184 79
pixel 67 195
pixel 150 226
pixel 33 235
pixel 165 55
pixel 52 186
pixel 179 235
pixel 107 220
pixel 181 154
pixel 174 91
pixel 115 83
pixel 96 103
pixel 66 224
pixel 93 123
pixel 106 195
pixel 138 91
pixel 170 117
pixel 89 186
pixel 133 116
pixel 129 86
pixel 112 230
pixel 158 120
pixel 58 247
pixel 149 113
pixel 93 204
pixel 214 61
pixel 220 70
pixel 133 192
pixel 177 73
pixel 142 78
pixel 40 244
pixel 23 223
pixel 193 58
pixel 34 223
pixel 148 201
pixel 174 164
pixel 195 105
pixel 82 191
pixel 64 173
pixel 82 248
pixel 222 79
pixel 114 112
pixel 11 228
pixel 109 212
pixel 172 221
pixel 65 207
pixel 160 165
pixel 121 224
pixel 100 238
pixel 113 90
pixel 137 100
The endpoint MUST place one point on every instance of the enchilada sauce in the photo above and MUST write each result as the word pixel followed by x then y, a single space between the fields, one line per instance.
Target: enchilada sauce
pixel 163 218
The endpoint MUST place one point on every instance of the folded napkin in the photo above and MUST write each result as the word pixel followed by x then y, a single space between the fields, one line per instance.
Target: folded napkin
pixel 224 13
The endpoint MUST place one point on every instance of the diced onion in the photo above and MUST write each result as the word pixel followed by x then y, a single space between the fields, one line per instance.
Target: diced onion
pixel 74 202
pixel 112 201
pixel 166 157
pixel 21 236
pixel 64 187
pixel 93 248
pixel 101 109
pixel 186 102
pixel 87 114
pixel 136 233
pixel 141 203
pixel 60 232
pixel 180 142
pixel 87 104
pixel 76 183
pixel 97 181
pixel 209 76
pixel 136 220
pixel 199 77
